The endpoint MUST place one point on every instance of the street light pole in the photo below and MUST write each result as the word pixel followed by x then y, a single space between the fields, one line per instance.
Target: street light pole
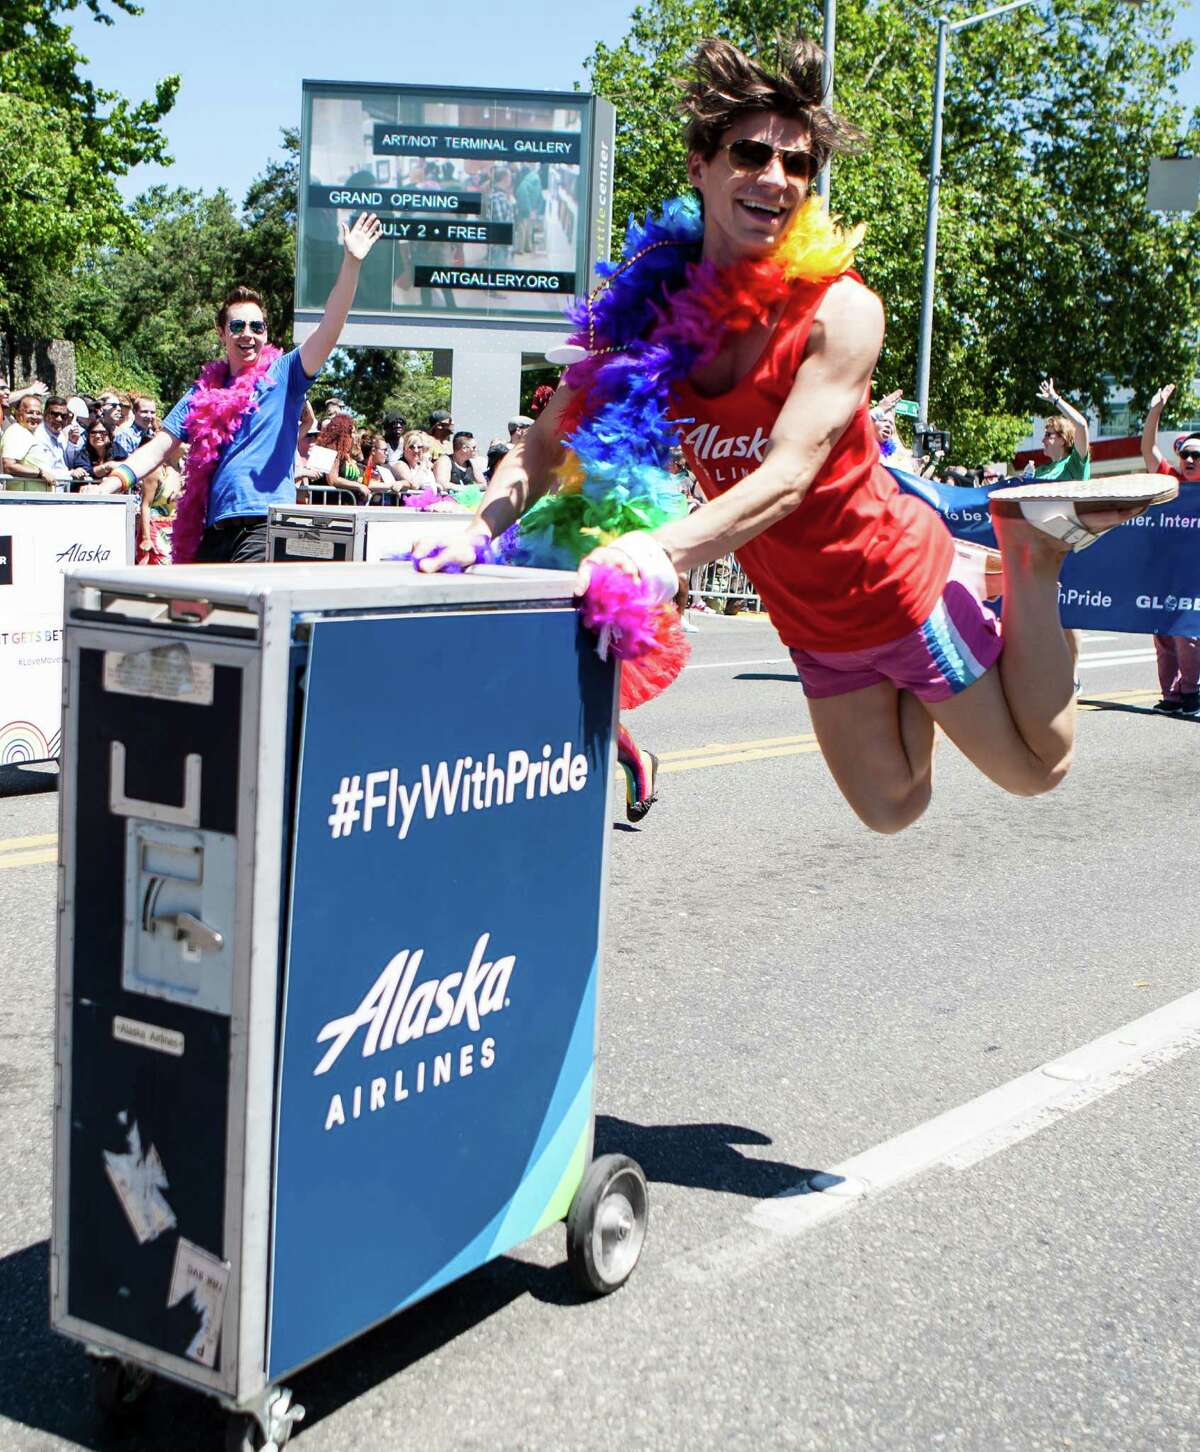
pixel 945 31
pixel 828 43
pixel 931 221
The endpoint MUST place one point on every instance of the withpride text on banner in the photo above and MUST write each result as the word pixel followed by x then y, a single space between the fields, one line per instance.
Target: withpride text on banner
pixel 1142 578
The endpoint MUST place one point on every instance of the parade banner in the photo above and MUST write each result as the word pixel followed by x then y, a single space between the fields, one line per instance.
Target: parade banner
pixel 1142 578
pixel 496 204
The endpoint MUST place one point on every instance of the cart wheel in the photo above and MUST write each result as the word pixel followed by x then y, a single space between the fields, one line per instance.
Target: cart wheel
pixel 243 1434
pixel 117 1386
pixel 606 1224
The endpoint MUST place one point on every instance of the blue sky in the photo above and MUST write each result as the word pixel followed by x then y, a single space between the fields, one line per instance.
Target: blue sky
pixel 235 99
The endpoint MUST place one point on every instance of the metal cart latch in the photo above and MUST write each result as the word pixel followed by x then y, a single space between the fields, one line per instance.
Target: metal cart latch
pixel 188 929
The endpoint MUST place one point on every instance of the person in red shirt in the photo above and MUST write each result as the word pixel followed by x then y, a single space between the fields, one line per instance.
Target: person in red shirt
pixel 883 615
pixel 1187 446
pixel 1178 655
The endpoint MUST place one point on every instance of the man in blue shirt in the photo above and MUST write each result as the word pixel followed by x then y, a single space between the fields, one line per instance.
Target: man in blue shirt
pixel 253 468
pixel 143 425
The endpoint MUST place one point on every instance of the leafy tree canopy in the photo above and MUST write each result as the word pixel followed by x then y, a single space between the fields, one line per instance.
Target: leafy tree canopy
pixel 64 140
pixel 1048 262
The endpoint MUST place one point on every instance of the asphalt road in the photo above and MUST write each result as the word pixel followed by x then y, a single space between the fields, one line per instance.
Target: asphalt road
pixel 987 1256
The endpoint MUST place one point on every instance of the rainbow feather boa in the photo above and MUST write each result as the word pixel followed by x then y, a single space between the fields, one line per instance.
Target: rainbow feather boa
pixel 215 414
pixel 663 313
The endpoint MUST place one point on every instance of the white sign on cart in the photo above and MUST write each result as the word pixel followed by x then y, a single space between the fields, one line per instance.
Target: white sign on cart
pixel 42 536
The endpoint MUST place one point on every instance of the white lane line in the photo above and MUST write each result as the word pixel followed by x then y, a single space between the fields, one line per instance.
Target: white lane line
pixel 961 1137
pixel 1116 657
pixel 712 665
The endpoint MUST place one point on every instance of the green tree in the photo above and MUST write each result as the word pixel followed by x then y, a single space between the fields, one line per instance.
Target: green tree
pixel 379 381
pixel 63 140
pixel 1048 262
pixel 265 255
pixel 154 304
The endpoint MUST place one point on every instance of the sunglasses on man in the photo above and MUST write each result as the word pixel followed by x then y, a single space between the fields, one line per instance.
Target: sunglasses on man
pixel 755 156
pixel 1190 457
pixel 237 326
pixel 58 415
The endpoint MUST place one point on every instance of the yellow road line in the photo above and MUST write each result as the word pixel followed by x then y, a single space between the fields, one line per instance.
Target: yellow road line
pixel 718 747
pixel 45 839
pixel 733 757
pixel 23 851
pixel 27 859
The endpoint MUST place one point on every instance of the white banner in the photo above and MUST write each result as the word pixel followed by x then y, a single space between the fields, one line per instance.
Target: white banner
pixel 41 537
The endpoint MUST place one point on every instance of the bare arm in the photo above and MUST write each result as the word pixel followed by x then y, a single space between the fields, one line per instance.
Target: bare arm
pixel 831 384
pixel 524 473
pixel 1052 395
pixel 21 470
pixel 151 454
pixel 356 241
pixel 520 480
pixel 441 469
pixel 1151 453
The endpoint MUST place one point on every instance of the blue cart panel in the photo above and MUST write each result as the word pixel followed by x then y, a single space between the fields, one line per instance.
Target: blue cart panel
pixel 434 1104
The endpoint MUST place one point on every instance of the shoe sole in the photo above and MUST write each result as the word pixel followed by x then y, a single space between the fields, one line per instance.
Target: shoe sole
pixel 1120 491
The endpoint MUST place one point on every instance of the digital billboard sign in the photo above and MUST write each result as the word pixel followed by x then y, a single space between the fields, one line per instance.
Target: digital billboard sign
pixel 494 204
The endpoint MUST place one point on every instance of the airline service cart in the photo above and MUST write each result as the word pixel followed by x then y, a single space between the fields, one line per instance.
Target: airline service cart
pixel 334 855
pixel 327 532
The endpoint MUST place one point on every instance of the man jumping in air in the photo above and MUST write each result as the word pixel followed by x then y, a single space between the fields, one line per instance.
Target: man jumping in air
pixel 765 348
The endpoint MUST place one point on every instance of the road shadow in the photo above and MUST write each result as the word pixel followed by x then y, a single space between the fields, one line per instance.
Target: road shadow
pixel 700 1156
pixel 768 676
pixel 46 1383
pixel 1135 710
pixel 28 781
pixel 46 1380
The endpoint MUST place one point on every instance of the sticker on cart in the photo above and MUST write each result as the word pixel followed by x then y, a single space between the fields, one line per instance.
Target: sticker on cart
pixel 166 673
pixel 308 549
pixel 148 1035
pixel 139 1180
pixel 204 1279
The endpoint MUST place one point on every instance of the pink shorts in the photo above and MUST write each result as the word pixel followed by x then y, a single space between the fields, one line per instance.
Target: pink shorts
pixel 955 646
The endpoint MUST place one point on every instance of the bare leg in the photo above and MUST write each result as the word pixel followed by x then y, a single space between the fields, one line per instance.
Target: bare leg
pixel 878 745
pixel 1017 724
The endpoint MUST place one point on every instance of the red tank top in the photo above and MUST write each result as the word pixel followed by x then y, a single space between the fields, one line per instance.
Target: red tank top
pixel 858 563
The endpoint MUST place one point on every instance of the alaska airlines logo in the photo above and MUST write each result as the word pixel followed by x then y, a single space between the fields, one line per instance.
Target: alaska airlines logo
pixel 706 442
pixel 77 554
pixel 393 1011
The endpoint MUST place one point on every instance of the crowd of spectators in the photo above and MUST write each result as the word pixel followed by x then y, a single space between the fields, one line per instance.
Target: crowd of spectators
pixel 72 445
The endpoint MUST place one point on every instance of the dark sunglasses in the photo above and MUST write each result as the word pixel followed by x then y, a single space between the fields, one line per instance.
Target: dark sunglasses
pixel 1188 458
pixel 55 413
pixel 752 156
pixel 237 326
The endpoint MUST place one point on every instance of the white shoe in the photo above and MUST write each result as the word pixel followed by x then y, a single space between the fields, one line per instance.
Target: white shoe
pixel 1051 504
pixel 688 627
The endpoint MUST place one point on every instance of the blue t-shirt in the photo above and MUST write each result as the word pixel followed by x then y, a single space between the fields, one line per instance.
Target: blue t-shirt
pixel 254 469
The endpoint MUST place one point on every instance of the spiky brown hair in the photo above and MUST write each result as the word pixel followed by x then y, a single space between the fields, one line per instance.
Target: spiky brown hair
pixel 723 83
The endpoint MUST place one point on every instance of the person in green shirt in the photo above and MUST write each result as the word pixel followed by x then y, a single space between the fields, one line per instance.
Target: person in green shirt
pixel 1065 439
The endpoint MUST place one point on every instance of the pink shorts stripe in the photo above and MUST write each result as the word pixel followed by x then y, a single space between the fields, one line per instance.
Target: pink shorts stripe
pixel 956 645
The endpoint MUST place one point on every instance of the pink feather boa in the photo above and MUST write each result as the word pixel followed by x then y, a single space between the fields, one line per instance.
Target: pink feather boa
pixel 621 611
pixel 214 415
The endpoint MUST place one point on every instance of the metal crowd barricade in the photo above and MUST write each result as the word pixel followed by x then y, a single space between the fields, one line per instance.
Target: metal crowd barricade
pixel 329 494
pixel 324 494
pixel 722 580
